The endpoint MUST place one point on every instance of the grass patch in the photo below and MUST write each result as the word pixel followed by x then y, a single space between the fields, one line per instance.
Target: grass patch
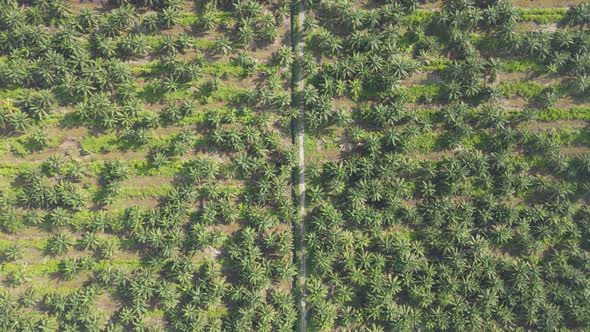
pixel 224 69
pixel 154 42
pixel 52 266
pixel 521 65
pixel 144 192
pixel 196 118
pixel 527 89
pixel 425 143
pixel 100 144
pixel 428 92
pixel 436 64
pixel 570 136
pixel 575 113
pixel 542 15
pixel 187 19
pixel 13 169
pixel 309 144
pixel 28 243
pixel 145 69
pixel 11 93
pixel 419 17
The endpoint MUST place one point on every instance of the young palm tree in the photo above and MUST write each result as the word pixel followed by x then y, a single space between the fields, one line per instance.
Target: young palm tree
pixel 39 139
pixel 19 121
pixel 86 20
pixel 150 22
pixel 114 171
pixel 13 252
pixel 104 46
pixel 578 15
pixel 222 45
pixel 58 244
pixel 29 297
pixel 582 84
pixel 169 16
pixel 327 42
pixel 133 45
pixel 19 276
pixel 58 217
pixel 69 268
pixel 245 34
pixel 89 241
pixel 208 19
pixel 39 105
pixel 108 249
pixel 492 68
pixel 10 222
pixel 168 46
pixel 59 9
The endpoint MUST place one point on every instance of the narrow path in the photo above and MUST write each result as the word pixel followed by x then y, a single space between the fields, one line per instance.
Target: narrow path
pixel 300 141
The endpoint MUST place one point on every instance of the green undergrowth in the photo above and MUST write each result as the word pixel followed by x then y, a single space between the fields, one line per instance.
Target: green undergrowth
pixel 309 144
pixel 507 65
pixel 570 136
pixel 100 144
pixel 145 69
pixel 12 93
pixel 13 169
pixel 542 15
pixel 220 69
pixel 525 89
pixel 52 266
pixel 137 167
pixel 37 243
pixel 575 113
pixel 521 65
pixel 40 243
pixel 154 42
pixel 419 17
pixel 427 92
pixel 436 65
pixel 143 192
pixel 196 118
pixel 536 15
pixel 187 19
pixel 423 16
pixel 110 142
pixel 425 143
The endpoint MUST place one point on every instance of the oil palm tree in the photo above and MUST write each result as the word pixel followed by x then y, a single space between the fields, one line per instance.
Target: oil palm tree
pixel 13 252
pixel 150 22
pixel 19 121
pixel 86 20
pixel 208 19
pixel 59 244
pixel 578 14
pixel 222 45
pixel 169 16
pixel 19 276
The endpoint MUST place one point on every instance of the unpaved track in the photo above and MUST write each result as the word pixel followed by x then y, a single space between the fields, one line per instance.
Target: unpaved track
pixel 300 141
